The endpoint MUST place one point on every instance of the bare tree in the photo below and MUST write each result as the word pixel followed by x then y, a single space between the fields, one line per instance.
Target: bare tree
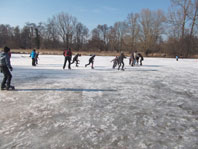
pixel 134 29
pixel 178 16
pixel 5 34
pixel 193 16
pixel 81 34
pixel 103 32
pixel 50 34
pixel 152 28
pixel 66 25
pixel 120 29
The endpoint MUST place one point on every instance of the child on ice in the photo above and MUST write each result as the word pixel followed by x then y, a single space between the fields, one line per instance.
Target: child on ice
pixel 91 61
pixel 115 62
pixel 75 59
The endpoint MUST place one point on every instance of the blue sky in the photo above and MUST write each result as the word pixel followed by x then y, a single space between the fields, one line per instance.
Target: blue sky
pixel 89 12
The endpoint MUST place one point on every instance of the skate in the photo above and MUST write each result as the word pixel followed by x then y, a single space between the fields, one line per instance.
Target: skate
pixel 10 88
pixel 3 88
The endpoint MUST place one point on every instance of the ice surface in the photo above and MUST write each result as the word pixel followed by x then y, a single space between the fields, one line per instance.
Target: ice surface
pixel 150 107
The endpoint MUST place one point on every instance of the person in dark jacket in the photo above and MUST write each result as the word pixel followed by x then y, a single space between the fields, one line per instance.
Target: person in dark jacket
pixel 75 59
pixel 68 55
pixel 33 56
pixel 6 67
pixel 91 61
pixel 141 58
pixel 36 58
pixel 137 58
pixel 121 61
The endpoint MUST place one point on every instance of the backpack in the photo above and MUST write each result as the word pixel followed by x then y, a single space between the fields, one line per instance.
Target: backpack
pixel 67 53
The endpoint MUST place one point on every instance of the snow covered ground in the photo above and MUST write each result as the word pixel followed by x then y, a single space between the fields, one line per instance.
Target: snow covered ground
pixel 150 107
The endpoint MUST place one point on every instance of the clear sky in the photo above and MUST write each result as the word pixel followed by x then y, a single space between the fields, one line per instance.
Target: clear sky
pixel 88 12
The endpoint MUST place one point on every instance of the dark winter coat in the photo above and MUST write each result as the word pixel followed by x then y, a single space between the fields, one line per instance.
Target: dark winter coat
pixel 5 59
pixel 91 59
pixel 121 57
pixel 76 57
pixel 141 57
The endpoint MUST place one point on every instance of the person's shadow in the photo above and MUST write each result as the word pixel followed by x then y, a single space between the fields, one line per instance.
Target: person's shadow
pixel 66 89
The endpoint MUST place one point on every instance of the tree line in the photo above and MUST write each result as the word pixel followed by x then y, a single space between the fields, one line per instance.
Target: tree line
pixel 172 33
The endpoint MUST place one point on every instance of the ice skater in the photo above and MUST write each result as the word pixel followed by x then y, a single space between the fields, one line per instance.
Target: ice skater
pixel 36 57
pixel 134 60
pixel 121 61
pixel 177 58
pixel 91 61
pixel 33 56
pixel 75 59
pixel 131 59
pixel 68 55
pixel 141 58
pixel 5 68
pixel 137 58
pixel 115 62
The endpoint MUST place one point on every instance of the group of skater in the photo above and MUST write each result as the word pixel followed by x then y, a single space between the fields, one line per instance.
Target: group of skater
pixel 135 58
pixel 68 58
pixel 6 68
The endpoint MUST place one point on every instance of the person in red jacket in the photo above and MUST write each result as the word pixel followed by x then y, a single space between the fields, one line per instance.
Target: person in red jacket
pixel 68 55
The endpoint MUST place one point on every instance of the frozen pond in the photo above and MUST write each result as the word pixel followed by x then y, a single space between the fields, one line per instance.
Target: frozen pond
pixel 154 106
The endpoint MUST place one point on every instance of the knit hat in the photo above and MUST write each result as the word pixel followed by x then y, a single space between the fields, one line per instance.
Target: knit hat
pixel 6 49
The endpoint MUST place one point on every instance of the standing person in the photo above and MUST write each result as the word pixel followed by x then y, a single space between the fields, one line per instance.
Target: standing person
pixel 33 56
pixel 115 62
pixel 6 67
pixel 121 60
pixel 68 55
pixel 131 59
pixel 135 55
pixel 36 57
pixel 141 58
pixel 177 58
pixel 91 61
pixel 137 58
pixel 75 59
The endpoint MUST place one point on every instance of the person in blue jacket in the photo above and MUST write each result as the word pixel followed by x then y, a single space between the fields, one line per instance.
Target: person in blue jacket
pixel 33 56
pixel 177 57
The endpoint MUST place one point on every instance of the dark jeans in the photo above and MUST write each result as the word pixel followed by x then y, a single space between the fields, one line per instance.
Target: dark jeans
pixel 67 58
pixel 121 63
pixel 76 62
pixel 7 77
pixel 90 62
pixel 33 62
